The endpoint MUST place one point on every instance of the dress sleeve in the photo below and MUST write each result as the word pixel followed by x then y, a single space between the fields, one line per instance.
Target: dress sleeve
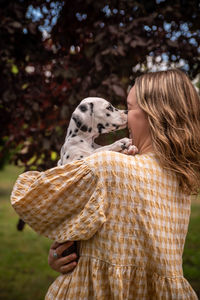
pixel 63 203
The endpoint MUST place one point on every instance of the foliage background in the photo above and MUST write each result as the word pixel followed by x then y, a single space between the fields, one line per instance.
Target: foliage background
pixel 52 55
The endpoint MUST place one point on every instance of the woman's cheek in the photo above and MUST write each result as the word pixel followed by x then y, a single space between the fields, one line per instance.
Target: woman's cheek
pixel 137 122
pixel 131 123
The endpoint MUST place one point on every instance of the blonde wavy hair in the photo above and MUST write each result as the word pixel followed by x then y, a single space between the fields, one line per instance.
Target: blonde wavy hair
pixel 172 106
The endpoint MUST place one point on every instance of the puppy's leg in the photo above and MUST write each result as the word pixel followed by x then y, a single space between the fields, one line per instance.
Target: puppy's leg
pixel 96 146
pixel 132 150
pixel 117 146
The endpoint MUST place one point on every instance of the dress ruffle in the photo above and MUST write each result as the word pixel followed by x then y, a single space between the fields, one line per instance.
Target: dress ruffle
pixel 125 283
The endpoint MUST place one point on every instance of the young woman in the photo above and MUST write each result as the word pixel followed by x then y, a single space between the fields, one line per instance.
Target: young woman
pixel 129 214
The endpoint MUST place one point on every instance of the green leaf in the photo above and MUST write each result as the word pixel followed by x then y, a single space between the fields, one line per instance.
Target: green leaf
pixel 24 86
pixel 14 69
pixel 53 155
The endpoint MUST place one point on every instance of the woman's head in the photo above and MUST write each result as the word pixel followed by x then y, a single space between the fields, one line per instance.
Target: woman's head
pixel 138 124
pixel 172 107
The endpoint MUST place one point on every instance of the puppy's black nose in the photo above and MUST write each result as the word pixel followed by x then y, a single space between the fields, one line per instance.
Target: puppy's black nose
pixel 126 112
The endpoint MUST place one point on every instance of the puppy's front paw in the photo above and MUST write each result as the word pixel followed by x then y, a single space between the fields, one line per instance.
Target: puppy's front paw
pixel 121 145
pixel 132 150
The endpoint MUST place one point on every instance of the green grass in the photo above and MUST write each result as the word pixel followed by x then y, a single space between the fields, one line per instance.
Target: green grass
pixel 24 272
pixel 191 256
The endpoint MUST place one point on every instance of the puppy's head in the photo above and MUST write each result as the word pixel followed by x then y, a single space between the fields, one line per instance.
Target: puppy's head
pixel 95 116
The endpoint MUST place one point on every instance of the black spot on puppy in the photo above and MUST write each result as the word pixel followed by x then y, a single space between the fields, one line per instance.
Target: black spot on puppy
pixel 108 115
pixel 90 129
pixel 83 107
pixel 70 132
pixel 116 126
pixel 91 108
pixel 67 156
pixel 123 147
pixel 84 128
pixel 107 124
pixel 81 141
pixel 100 127
pixel 79 124
pixel 77 121
pixel 110 108
pixel 73 135
pixel 81 156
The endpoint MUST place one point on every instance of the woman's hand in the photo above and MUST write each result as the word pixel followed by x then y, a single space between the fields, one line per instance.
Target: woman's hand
pixel 59 263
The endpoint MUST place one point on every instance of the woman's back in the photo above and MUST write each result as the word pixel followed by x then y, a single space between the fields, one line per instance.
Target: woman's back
pixel 128 213
pixel 137 252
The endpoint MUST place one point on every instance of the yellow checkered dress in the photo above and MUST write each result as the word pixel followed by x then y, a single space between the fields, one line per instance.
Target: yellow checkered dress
pixel 129 217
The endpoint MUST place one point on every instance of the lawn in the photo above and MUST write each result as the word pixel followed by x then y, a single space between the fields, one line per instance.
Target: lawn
pixel 24 272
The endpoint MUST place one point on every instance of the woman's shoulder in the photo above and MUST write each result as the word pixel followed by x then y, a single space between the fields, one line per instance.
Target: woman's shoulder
pixel 111 159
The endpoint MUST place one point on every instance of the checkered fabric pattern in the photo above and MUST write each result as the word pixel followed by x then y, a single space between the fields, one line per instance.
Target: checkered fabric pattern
pixel 129 217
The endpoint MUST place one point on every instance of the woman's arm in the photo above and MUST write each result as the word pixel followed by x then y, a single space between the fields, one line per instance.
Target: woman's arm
pixel 62 264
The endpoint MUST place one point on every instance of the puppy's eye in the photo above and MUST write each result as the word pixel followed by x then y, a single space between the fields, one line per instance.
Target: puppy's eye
pixel 109 108
pixel 82 107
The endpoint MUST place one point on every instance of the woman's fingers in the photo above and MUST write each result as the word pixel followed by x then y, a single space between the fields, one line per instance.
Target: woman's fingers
pixel 61 247
pixel 66 259
pixel 59 263
pixel 67 268
pixel 55 245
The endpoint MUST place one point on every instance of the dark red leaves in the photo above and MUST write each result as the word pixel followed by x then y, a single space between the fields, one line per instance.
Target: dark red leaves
pixel 91 53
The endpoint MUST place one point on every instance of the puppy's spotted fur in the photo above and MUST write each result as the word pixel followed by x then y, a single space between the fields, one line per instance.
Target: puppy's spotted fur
pixel 92 117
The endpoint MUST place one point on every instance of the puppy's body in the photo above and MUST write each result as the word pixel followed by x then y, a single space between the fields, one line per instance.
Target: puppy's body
pixel 92 117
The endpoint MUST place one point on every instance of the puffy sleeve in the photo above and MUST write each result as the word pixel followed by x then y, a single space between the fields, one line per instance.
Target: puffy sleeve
pixel 63 203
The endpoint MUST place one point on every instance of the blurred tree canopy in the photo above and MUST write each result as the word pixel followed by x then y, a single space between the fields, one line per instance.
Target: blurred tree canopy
pixel 55 53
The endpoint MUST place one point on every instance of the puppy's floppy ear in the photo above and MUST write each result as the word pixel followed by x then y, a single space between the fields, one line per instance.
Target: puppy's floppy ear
pixel 80 122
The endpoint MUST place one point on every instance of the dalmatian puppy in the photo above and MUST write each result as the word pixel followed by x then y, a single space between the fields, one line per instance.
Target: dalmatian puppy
pixel 92 117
